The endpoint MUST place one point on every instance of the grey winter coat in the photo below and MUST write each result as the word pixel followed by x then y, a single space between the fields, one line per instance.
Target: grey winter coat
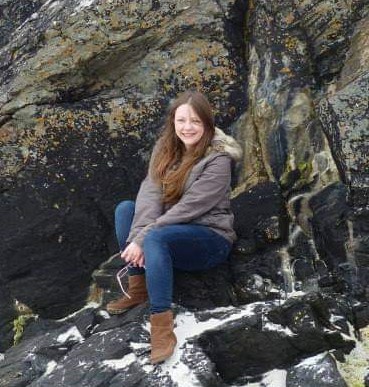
pixel 205 200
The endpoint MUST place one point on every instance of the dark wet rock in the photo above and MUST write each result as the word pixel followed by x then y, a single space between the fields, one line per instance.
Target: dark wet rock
pixel 194 357
pixel 297 315
pixel 330 213
pixel 342 115
pixel 204 290
pixel 13 15
pixel 329 49
pixel 28 360
pixel 259 215
pixel 7 315
pixel 39 327
pixel 139 314
pixel 361 314
pixel 90 360
pixel 232 346
pixel 132 376
pixel 252 349
pixel 86 322
pixel 342 111
pixel 320 371
pixel 360 248
pixel 257 277
pixel 47 284
pixel 303 254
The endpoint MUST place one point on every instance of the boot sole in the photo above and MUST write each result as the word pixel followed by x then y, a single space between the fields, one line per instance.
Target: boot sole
pixel 118 311
pixel 161 359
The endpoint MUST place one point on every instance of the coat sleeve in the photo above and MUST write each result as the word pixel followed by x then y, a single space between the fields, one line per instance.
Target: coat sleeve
pixel 200 197
pixel 149 203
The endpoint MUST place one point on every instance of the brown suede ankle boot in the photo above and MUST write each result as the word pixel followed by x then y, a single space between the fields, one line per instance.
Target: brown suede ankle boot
pixel 138 292
pixel 163 339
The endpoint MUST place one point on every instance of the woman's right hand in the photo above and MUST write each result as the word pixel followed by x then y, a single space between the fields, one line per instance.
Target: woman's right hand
pixel 133 254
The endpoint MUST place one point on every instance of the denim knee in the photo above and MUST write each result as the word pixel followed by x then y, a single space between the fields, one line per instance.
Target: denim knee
pixel 154 243
pixel 124 208
pixel 155 236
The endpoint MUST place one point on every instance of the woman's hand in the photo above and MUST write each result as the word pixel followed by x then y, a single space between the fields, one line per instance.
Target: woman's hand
pixel 133 254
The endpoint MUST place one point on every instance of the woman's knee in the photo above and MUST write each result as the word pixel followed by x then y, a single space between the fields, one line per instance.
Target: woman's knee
pixel 125 208
pixel 151 240
pixel 155 236
pixel 155 245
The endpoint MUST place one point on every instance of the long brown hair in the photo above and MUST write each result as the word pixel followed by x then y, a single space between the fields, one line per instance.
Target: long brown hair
pixel 172 163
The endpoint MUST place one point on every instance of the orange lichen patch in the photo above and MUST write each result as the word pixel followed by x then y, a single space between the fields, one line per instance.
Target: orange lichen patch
pixel 146 24
pixel 202 64
pixel 290 18
pixel 334 29
pixel 130 116
pixel 232 110
pixel 69 49
pixel 286 70
pixel 291 43
pixel 335 25
pixel 46 132
pixel 115 21
pixel 8 133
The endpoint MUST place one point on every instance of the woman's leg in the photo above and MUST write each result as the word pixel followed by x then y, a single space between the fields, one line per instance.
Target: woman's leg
pixel 183 246
pixel 124 213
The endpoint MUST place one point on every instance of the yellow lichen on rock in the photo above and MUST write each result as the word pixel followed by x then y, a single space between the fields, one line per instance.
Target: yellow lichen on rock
pixel 355 366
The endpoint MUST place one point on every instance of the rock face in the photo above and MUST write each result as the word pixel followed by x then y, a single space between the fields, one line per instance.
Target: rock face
pixel 83 90
pixel 7 315
pixel 319 372
pixel 215 347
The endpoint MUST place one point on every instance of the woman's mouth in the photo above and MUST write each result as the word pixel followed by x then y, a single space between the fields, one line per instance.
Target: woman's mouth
pixel 188 134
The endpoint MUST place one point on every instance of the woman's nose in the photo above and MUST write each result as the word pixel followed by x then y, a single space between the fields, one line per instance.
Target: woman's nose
pixel 188 124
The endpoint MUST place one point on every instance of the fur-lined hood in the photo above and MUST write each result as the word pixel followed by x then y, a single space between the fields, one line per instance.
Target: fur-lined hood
pixel 221 142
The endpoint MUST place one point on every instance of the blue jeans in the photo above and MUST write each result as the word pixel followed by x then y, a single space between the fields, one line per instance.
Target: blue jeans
pixel 188 247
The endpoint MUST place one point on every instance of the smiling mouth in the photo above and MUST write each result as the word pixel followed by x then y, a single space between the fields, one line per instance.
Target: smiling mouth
pixel 188 134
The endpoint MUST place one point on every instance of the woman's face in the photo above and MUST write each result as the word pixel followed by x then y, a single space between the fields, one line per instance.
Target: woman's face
pixel 188 126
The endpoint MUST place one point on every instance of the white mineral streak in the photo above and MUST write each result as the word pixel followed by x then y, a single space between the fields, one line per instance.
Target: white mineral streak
pixel 83 4
pixel 311 361
pixel 90 305
pixel 72 333
pixel 274 378
pixel 51 365
pixel 121 363
pixel 269 326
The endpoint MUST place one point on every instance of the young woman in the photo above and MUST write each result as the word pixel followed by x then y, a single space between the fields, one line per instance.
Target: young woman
pixel 181 218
